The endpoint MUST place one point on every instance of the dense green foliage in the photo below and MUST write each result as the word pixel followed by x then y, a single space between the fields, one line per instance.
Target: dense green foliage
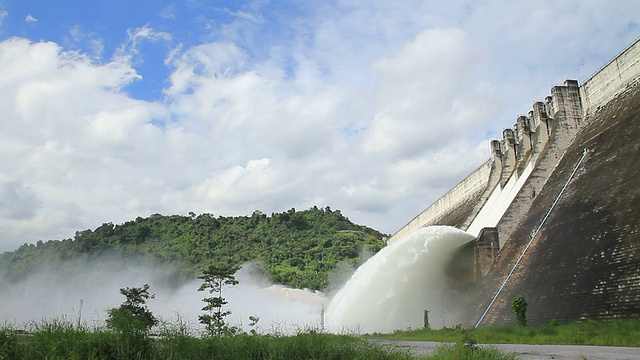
pixel 133 317
pixel 519 307
pixel 622 332
pixel 298 248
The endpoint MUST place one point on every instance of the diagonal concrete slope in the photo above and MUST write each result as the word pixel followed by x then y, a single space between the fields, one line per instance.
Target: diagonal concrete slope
pixel 585 261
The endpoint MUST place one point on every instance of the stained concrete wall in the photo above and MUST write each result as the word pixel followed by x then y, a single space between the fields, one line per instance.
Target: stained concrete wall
pixel 566 120
pixel 585 261
pixel 612 79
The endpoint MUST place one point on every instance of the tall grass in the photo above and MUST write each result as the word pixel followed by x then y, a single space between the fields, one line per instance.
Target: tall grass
pixel 62 340
pixel 621 332
pixel 460 350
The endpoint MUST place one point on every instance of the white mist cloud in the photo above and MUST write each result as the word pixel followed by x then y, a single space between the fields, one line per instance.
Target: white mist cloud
pixel 56 291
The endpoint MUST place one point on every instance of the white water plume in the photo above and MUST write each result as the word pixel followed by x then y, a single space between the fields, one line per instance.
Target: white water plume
pixel 392 289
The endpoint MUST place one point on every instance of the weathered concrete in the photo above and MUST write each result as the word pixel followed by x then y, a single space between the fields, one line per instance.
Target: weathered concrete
pixel 567 118
pixel 585 261
pixel 612 79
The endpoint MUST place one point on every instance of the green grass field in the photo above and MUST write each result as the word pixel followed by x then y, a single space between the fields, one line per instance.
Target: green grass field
pixel 59 340
pixel 609 333
pixel 64 340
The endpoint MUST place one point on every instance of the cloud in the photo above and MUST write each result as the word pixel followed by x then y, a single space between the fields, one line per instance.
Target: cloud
pixel 300 108
pixel 90 41
pixel 147 33
pixel 168 12
pixel 30 19
pixel 3 15
pixel 70 131
pixel 136 38
pixel 18 202
pixel 416 93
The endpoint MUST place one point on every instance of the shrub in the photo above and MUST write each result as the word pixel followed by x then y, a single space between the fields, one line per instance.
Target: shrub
pixel 519 307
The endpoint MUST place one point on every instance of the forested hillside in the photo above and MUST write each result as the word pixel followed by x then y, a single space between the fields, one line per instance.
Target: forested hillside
pixel 298 248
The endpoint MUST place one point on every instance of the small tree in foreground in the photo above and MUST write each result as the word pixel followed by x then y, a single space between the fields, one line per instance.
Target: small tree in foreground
pixel 519 307
pixel 132 317
pixel 215 279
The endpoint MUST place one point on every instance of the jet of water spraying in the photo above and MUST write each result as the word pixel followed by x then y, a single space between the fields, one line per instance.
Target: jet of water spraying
pixel 392 290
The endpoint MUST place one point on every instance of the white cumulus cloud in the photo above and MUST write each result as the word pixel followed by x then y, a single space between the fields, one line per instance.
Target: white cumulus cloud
pixel 375 108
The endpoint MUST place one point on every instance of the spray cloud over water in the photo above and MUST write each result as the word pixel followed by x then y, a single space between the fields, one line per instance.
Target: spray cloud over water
pixel 392 289
pixel 55 292
pixel 389 291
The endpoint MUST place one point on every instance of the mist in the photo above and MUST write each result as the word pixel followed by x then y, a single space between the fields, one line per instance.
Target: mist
pixel 388 292
pixel 56 292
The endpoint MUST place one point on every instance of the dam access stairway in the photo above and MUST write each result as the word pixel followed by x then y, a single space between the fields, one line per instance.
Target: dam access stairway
pixel 556 210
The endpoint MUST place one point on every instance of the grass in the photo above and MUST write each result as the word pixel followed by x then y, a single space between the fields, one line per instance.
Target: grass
pixel 59 340
pixel 62 340
pixel 465 351
pixel 589 332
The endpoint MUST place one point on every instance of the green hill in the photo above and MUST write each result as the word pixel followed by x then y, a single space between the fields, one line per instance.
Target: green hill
pixel 298 248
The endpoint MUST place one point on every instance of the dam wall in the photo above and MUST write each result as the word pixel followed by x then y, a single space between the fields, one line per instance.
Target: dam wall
pixel 538 138
pixel 530 148
pixel 613 78
pixel 584 263
pixel 565 108
pixel 556 209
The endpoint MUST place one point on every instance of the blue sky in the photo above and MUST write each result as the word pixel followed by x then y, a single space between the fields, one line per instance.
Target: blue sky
pixel 118 109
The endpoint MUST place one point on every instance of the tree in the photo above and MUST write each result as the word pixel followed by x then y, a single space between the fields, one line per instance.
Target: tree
pixel 215 279
pixel 519 307
pixel 132 317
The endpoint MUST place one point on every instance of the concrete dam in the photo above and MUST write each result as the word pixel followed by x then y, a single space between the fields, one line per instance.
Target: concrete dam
pixel 556 209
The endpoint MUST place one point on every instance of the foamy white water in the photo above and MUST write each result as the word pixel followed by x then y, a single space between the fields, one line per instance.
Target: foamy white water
pixel 393 288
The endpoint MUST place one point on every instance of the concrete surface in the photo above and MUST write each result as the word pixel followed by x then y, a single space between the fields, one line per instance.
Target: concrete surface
pixel 533 352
